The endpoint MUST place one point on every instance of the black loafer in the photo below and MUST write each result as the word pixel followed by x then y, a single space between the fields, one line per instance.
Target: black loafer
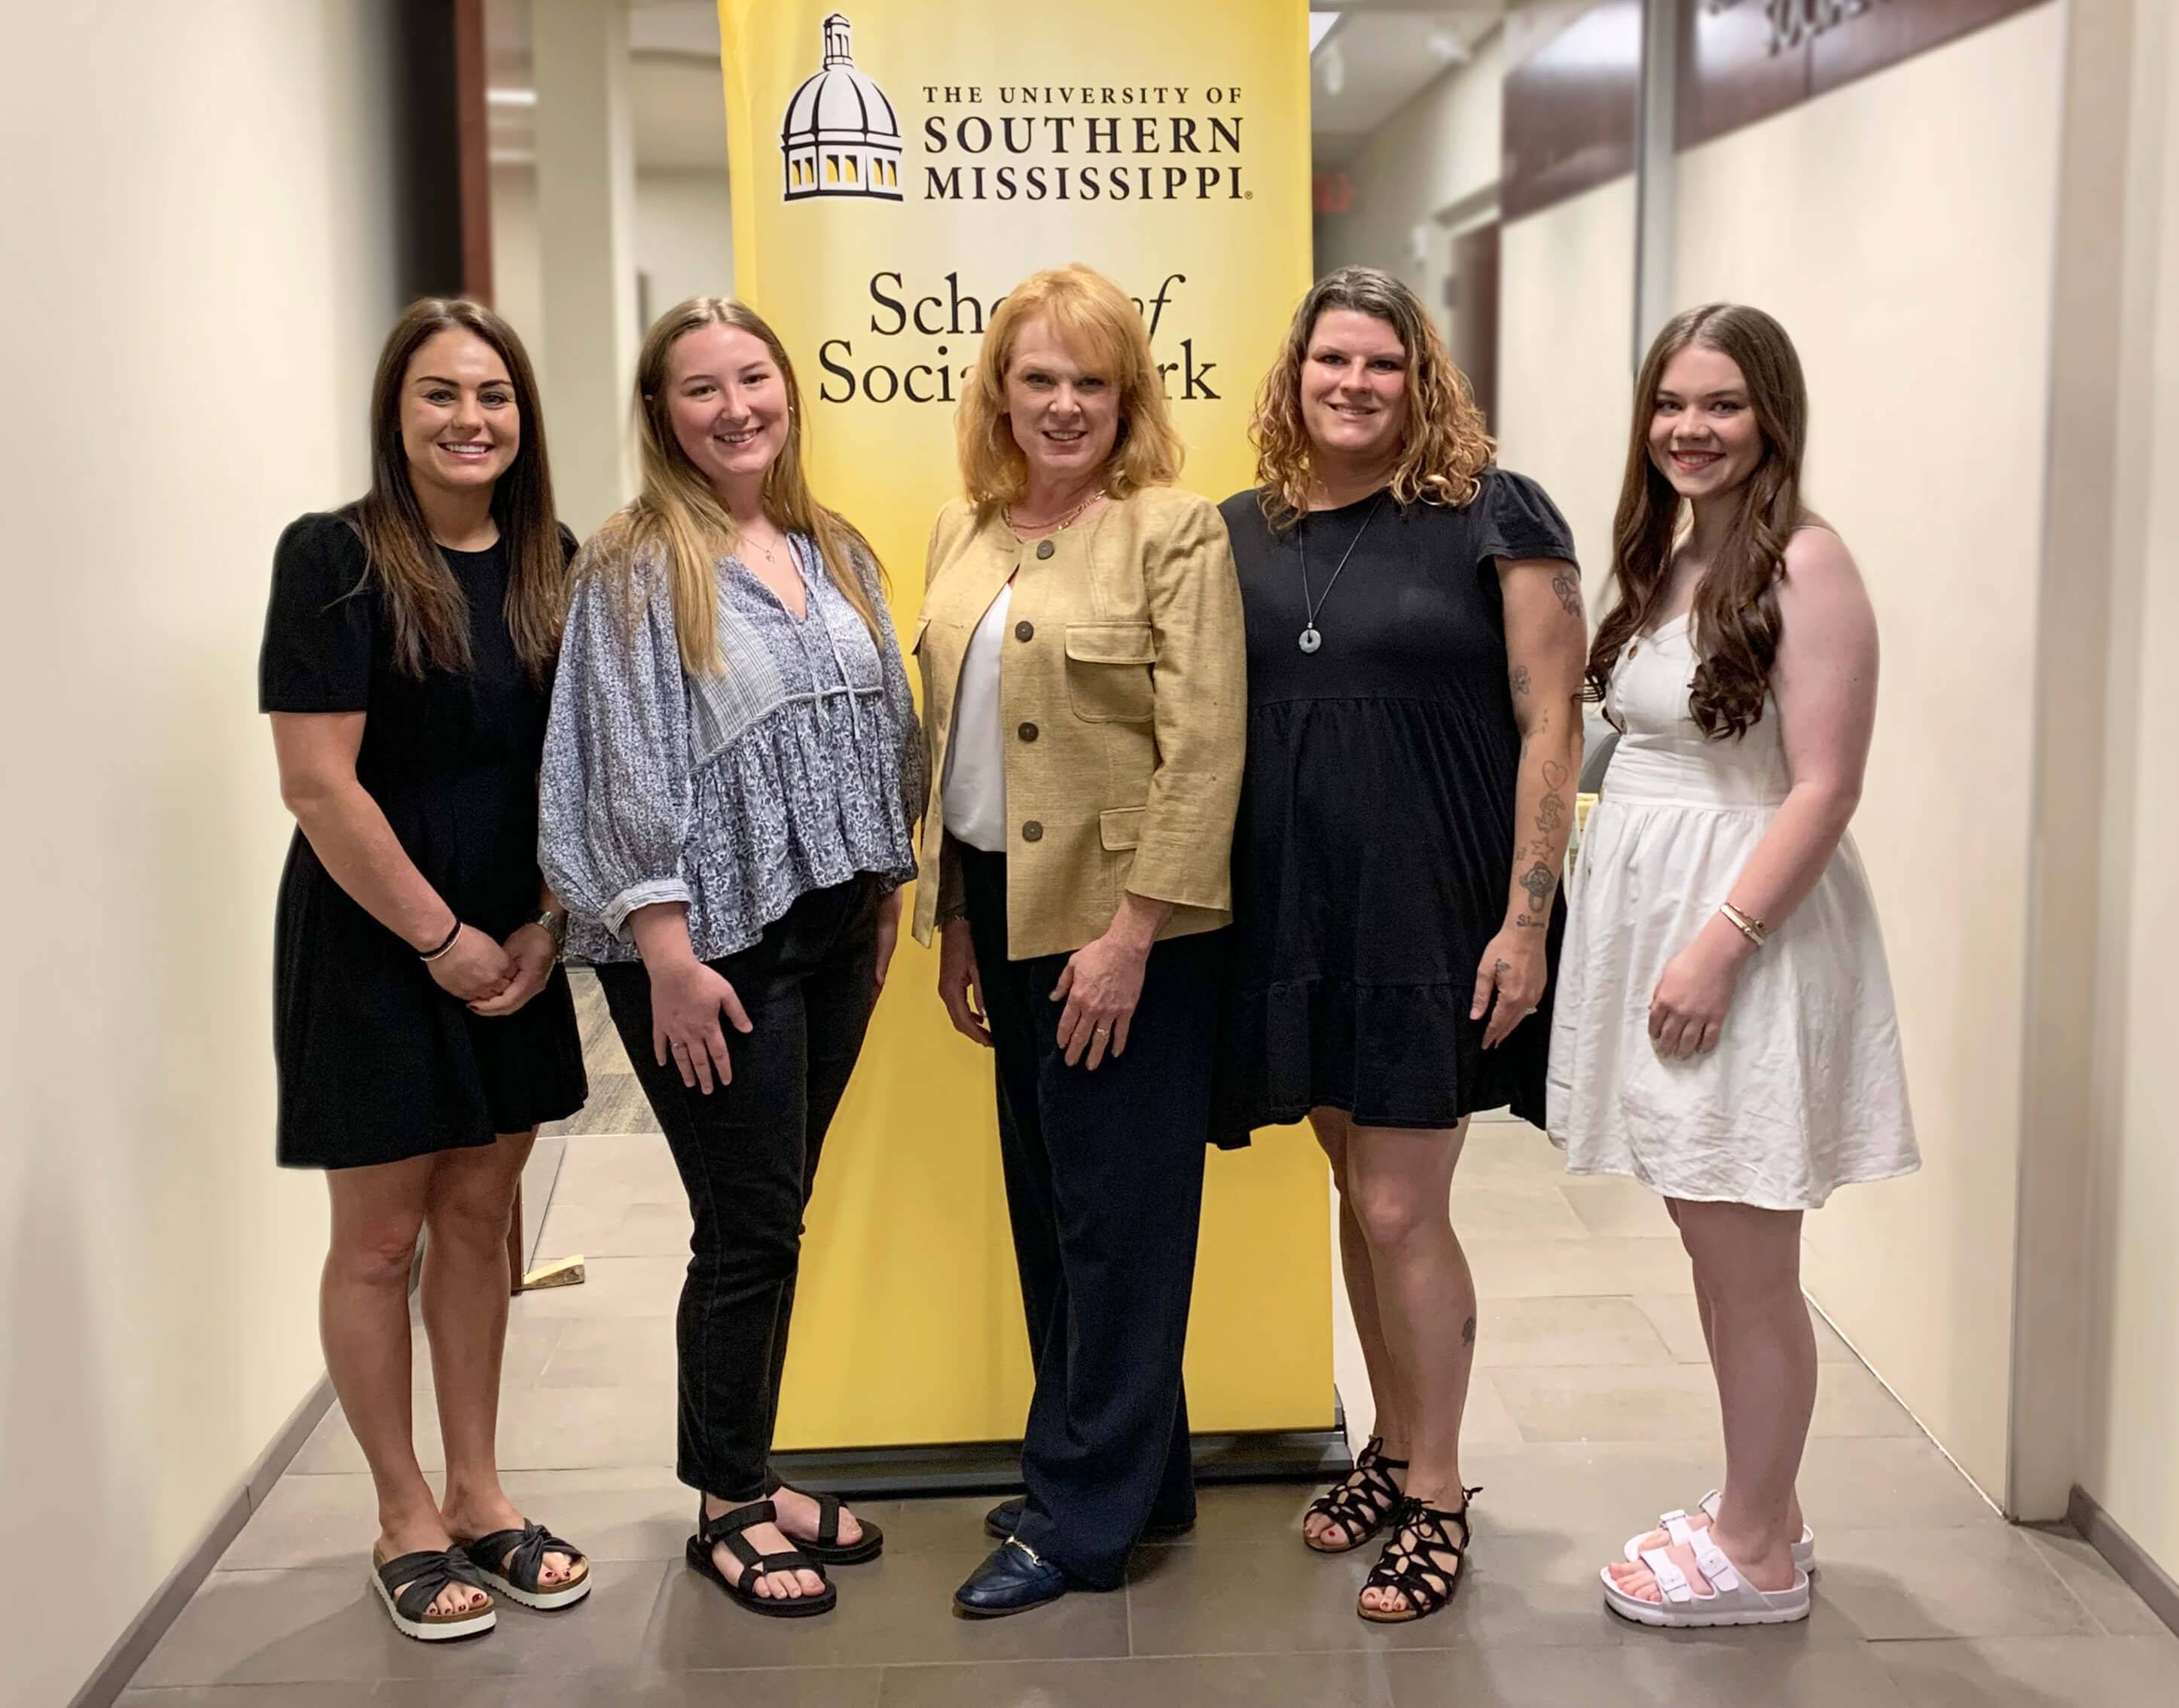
pixel 1001 1520
pixel 1013 1579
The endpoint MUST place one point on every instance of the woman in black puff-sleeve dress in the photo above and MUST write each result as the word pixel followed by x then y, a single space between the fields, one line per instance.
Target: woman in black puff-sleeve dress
pixel 1415 652
pixel 422 1024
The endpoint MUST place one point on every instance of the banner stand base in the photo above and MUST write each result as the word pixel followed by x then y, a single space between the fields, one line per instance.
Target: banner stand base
pixel 978 1468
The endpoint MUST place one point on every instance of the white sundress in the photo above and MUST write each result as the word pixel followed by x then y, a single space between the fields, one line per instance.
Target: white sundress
pixel 1806 1090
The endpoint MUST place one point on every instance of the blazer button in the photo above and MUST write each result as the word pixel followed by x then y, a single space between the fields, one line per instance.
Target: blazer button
pixel 1045 548
pixel 1024 631
pixel 1031 831
pixel 1027 731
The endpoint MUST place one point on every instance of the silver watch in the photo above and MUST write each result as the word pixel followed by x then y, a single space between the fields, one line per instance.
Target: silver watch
pixel 556 923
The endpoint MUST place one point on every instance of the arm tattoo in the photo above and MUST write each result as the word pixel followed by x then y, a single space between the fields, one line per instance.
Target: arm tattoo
pixel 1539 883
pixel 1468 1333
pixel 1520 680
pixel 1567 585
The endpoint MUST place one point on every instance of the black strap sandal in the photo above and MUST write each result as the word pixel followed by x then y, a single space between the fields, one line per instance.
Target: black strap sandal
pixel 409 1583
pixel 1421 1561
pixel 512 1562
pixel 828 1549
pixel 1360 1504
pixel 728 1528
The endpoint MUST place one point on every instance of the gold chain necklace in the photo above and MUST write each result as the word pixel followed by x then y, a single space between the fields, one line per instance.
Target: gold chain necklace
pixel 1059 527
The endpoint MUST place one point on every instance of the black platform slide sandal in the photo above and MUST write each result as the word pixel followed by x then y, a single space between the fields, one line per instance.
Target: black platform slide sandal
pixel 729 1527
pixel 828 1550
pixel 410 1583
pixel 512 1562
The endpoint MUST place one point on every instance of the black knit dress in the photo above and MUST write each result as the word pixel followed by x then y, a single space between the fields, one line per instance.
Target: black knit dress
pixel 377 1064
pixel 1375 847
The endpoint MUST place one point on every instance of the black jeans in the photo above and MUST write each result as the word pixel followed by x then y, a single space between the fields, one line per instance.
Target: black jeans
pixel 1104 1176
pixel 748 1156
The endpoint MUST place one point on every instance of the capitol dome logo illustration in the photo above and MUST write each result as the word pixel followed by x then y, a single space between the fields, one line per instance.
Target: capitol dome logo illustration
pixel 841 136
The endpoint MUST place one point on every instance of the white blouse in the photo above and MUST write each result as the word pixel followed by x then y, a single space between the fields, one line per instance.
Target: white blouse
pixel 974 790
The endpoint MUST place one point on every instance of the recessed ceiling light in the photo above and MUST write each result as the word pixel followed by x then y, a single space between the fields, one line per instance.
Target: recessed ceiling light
pixel 511 97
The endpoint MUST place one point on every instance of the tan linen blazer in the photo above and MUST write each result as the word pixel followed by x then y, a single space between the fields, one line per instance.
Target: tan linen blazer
pixel 1124 694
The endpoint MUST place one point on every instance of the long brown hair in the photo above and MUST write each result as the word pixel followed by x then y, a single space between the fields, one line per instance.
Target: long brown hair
pixel 1103 330
pixel 1736 606
pixel 1444 448
pixel 429 613
pixel 678 514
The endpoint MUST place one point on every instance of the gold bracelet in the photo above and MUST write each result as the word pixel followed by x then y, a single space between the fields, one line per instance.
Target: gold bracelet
pixel 1748 927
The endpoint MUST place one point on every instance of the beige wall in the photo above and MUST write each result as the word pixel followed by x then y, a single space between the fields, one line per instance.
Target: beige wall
pixel 197 264
pixel 1901 228
pixel 685 235
pixel 1564 367
pixel 2129 1463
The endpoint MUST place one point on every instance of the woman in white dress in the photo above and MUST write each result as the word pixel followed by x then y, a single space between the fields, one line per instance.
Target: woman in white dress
pixel 1724 1031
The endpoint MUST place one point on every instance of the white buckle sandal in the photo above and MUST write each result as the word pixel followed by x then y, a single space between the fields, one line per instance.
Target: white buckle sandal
pixel 1804 1550
pixel 1731 1599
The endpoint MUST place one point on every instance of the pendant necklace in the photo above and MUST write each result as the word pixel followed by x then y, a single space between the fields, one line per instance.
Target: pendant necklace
pixel 751 539
pixel 1310 640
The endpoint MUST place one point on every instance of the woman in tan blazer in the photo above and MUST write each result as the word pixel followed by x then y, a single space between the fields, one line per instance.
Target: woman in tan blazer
pixel 1082 651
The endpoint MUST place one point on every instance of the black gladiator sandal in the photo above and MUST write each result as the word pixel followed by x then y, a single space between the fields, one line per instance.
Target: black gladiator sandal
pixel 1421 1561
pixel 1360 1503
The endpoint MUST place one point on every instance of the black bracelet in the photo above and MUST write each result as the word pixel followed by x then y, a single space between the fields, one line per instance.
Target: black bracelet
pixel 434 954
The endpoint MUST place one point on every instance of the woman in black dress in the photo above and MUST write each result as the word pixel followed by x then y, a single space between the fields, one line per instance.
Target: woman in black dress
pixel 1415 654
pixel 422 1024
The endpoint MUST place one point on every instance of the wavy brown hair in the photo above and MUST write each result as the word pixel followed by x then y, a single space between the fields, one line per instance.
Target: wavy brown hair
pixel 1736 606
pixel 429 613
pixel 678 516
pixel 1445 448
pixel 1103 330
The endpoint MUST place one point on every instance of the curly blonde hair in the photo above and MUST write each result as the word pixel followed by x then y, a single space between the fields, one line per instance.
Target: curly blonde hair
pixel 1103 330
pixel 1444 448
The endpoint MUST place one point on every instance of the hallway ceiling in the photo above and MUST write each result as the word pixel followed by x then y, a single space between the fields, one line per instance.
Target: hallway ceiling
pixel 1377 55
pixel 680 122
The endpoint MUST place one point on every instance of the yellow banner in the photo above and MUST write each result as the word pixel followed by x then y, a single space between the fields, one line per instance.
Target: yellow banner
pixel 896 169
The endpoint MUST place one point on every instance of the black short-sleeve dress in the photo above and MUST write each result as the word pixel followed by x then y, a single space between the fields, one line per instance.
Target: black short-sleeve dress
pixel 377 1063
pixel 1374 851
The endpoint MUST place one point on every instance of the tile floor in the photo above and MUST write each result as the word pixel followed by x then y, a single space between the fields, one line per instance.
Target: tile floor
pixel 1591 1411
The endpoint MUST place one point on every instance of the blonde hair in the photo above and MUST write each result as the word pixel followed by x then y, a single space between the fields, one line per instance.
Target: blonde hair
pixel 678 515
pixel 1103 330
pixel 1443 449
